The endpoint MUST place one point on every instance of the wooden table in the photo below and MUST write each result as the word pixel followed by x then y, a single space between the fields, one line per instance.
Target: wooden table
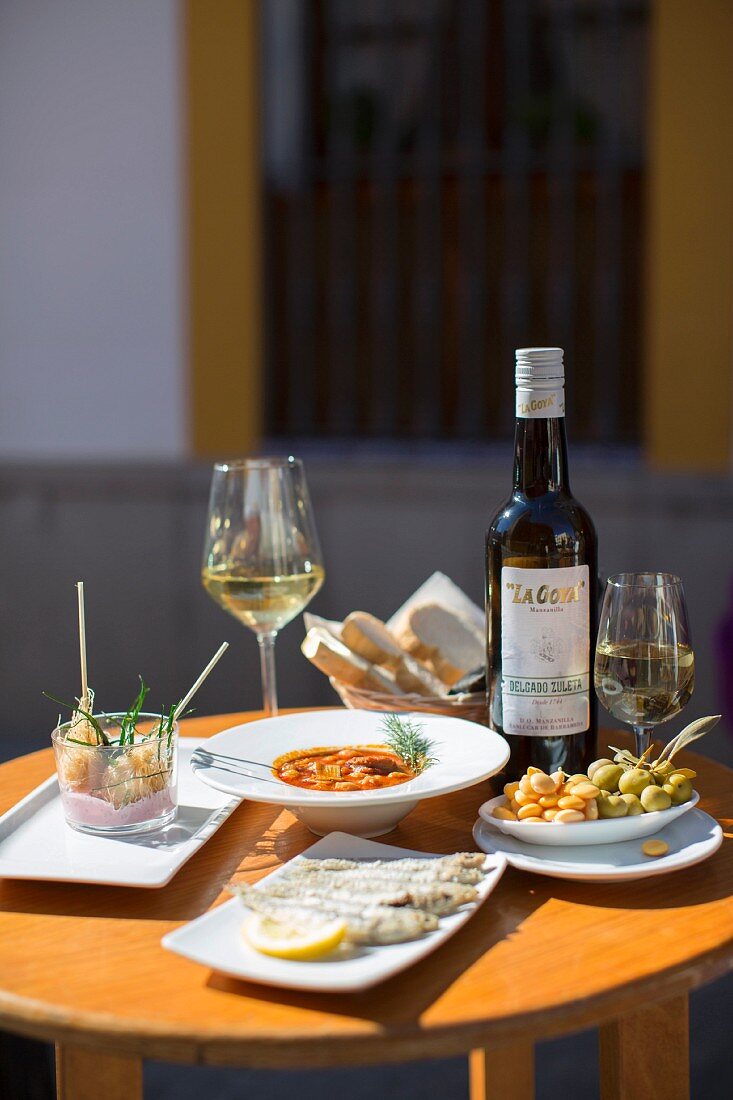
pixel 82 965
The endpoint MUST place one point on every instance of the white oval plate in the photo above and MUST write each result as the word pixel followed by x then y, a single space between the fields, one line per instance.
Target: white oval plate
pixel 467 753
pixel 692 839
pixel 215 939
pixel 604 831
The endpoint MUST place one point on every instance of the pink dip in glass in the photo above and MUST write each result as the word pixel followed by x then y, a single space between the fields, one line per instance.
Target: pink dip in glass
pixel 88 810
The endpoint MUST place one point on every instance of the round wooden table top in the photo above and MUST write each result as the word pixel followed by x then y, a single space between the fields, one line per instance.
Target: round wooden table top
pixel 83 963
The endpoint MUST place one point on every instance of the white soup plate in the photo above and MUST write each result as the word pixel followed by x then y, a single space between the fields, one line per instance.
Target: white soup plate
pixel 239 761
pixel 607 830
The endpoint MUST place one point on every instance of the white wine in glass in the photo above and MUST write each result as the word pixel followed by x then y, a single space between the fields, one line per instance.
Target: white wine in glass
pixel 645 666
pixel 262 560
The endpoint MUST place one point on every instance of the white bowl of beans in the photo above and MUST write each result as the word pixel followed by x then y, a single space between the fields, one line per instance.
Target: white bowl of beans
pixel 569 833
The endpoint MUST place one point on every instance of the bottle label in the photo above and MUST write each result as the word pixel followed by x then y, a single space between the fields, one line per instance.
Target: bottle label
pixel 533 404
pixel 545 651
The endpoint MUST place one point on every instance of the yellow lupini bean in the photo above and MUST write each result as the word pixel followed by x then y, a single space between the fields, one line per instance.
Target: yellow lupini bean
pixel 542 798
pixel 655 847
pixel 568 817
pixel 585 790
pixel 503 813
pixel 525 799
pixel 531 809
pixel 542 784
pixel 571 802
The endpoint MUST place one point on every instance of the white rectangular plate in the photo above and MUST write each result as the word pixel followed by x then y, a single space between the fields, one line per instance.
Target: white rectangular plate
pixel 215 939
pixel 36 842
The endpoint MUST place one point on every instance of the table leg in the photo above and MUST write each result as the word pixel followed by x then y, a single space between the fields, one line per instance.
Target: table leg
pixel 636 1049
pixel 502 1073
pixel 85 1074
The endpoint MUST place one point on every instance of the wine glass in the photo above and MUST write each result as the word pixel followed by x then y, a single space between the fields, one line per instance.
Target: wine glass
pixel 262 561
pixel 645 667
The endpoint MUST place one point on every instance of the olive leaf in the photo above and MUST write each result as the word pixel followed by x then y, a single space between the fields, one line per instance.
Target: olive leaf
pixel 623 756
pixel 690 733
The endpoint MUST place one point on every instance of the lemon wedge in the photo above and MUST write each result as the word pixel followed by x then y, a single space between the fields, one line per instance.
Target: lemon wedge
pixel 285 941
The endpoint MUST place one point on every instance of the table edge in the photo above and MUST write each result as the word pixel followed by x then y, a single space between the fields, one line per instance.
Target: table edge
pixel 33 1019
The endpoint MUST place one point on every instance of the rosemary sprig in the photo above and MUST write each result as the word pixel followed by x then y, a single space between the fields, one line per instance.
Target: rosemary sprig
pixel 170 721
pixel 405 737
pixel 128 725
pixel 166 722
pixel 102 738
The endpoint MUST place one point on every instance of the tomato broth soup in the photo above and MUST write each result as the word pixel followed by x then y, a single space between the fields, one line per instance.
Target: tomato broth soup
pixel 347 768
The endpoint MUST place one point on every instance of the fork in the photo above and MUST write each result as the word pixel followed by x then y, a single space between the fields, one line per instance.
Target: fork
pixel 224 763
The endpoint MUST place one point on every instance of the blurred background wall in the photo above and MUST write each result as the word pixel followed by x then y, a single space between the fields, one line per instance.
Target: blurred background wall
pixel 92 262
pixel 322 226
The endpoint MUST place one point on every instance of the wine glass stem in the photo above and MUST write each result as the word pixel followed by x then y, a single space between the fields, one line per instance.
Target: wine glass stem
pixel 643 737
pixel 267 668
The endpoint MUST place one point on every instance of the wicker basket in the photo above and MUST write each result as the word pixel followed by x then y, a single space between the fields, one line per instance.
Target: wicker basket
pixel 472 707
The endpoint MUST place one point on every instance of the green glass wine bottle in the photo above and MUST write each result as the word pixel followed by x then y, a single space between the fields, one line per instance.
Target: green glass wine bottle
pixel 541 588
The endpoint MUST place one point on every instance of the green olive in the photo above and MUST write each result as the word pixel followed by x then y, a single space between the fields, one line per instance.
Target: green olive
pixel 634 781
pixel 596 765
pixel 607 777
pixel 633 805
pixel 612 806
pixel 655 798
pixel 679 788
pixel 664 769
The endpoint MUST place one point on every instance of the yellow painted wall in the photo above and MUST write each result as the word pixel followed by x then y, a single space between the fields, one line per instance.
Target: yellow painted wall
pixel 689 347
pixel 221 50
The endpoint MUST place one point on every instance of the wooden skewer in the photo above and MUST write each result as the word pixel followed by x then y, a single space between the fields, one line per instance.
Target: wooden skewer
pixel 84 701
pixel 192 691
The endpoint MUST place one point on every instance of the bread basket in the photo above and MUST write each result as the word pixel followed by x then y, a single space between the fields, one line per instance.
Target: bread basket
pixel 359 695
pixel 471 707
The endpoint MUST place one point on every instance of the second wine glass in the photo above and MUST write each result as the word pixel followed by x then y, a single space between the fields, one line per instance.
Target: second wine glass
pixel 262 559
pixel 645 666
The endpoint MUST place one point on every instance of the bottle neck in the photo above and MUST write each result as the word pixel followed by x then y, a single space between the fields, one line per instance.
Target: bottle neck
pixel 540 456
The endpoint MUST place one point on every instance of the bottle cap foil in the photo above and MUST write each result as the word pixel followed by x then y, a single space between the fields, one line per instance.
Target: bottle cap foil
pixel 539 364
